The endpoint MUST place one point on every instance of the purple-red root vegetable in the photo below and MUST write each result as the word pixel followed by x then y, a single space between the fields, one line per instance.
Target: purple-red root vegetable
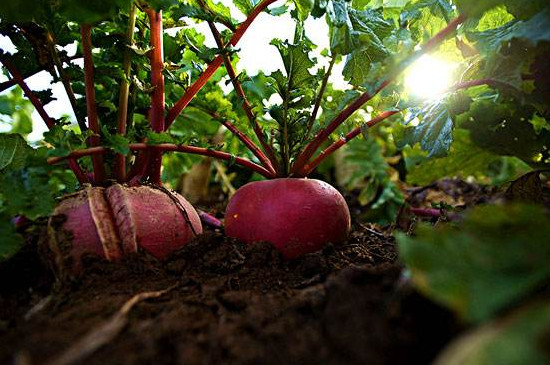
pixel 117 220
pixel 297 216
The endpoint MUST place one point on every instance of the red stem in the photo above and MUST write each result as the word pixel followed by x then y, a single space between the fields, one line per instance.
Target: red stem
pixel 157 98
pixel 309 167
pixel 324 133
pixel 50 123
pixel 306 170
pixel 7 84
pixel 139 169
pixel 322 136
pixel 213 66
pixel 272 161
pixel 97 160
pixel 241 136
pixel 249 144
pixel 319 98
pixel 472 83
pixel 175 148
pixel 81 176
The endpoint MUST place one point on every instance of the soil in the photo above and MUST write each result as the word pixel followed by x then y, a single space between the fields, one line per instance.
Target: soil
pixel 225 302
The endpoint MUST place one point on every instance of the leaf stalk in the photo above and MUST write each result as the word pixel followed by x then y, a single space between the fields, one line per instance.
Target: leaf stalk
pixel 93 120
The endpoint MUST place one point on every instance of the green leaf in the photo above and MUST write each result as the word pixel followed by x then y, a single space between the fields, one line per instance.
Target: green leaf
pixel 533 31
pixel 521 9
pixel 303 8
pixel 90 12
pixel 524 10
pixel 26 192
pixel 492 260
pixel 117 142
pixel 297 90
pixel 245 6
pixel 464 160
pixel 13 151
pixel 23 10
pixel 357 68
pixel 11 241
pixel 159 138
pixel 365 36
pixel 367 170
pixel 5 105
pixel 439 8
pixel 162 4
pixel 279 10
pixel 296 62
pixel 434 130
pixel 353 30
pixel 504 129
pixel 65 139
pixel 22 122
pixel 204 10
pixel 519 338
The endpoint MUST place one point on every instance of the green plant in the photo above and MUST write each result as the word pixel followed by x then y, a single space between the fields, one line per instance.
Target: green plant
pixel 500 45
pixel 490 269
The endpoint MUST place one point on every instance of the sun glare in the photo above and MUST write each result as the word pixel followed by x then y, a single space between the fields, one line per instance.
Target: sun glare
pixel 428 77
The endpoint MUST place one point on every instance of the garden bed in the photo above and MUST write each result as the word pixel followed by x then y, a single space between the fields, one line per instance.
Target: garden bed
pixel 223 302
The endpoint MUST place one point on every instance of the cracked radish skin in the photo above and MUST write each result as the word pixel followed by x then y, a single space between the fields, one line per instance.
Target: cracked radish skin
pixel 117 220
pixel 297 216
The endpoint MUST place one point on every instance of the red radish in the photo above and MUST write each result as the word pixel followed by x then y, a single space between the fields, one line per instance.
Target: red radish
pixel 297 216
pixel 117 220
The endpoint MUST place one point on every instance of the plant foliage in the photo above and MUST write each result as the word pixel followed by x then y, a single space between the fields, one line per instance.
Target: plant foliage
pixel 496 113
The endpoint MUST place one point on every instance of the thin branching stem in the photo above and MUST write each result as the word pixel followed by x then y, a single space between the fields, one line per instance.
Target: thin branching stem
pixel 310 166
pixel 10 83
pixel 247 107
pixel 319 98
pixel 174 148
pixel 93 120
pixel 157 97
pixel 50 123
pixel 323 134
pixel 241 136
pixel 213 66
pixel 66 81
pixel 489 82
pixel 119 165
pixel 81 176
pixel 7 84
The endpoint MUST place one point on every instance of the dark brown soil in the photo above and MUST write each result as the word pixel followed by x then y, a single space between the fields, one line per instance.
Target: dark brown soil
pixel 228 303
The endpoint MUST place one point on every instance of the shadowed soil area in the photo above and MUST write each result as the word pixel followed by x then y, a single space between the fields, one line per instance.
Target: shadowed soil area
pixel 219 301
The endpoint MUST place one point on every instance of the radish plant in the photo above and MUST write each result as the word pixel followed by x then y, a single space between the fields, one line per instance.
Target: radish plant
pixel 132 104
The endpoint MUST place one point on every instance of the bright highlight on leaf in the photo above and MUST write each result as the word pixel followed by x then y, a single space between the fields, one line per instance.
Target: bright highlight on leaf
pixel 429 77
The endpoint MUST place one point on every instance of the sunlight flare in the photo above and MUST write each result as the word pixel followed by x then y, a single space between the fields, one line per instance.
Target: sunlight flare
pixel 429 77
